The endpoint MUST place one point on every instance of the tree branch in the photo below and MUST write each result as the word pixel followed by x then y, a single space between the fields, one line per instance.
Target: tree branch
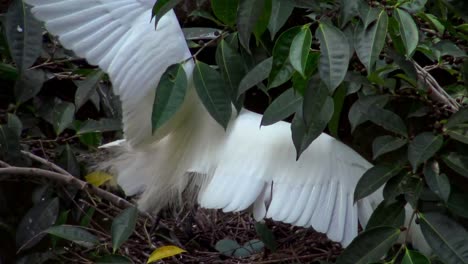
pixel 45 162
pixel 67 179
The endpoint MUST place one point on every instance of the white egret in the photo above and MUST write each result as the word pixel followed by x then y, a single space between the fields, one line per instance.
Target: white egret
pixel 245 166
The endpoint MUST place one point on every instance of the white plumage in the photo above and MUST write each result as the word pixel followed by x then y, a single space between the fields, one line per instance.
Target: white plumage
pixel 245 166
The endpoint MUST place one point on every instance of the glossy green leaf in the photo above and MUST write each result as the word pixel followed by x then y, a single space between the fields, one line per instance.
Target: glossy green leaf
pixel 256 75
pixel 370 41
pixel 447 238
pixel 387 215
pixel 335 55
pixel 225 10
pixel 299 82
pixel 457 162
pixel 85 89
pixel 299 51
pixel 266 235
pixel 285 105
pixel 24 35
pixel 212 92
pixel 366 13
pixel 248 14
pixel 170 95
pixel 408 29
pixel 29 85
pixel 358 112
pixel 348 9
pixel 373 179
pixel 68 161
pixel 457 203
pixel 63 116
pixel 414 6
pixel 9 145
pixel 414 257
pixel 232 67
pixel 123 226
pixel 161 7
pixel 282 69
pixel 15 124
pixel 8 72
pixel 280 12
pixel 457 126
pixel 35 222
pixel 369 246
pixel 74 234
pixel 438 183
pixel 423 147
pixel 310 121
pixel 262 23
pixel 386 144
pixel 338 101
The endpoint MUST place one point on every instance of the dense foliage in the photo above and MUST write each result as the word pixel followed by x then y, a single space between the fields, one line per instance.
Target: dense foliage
pixel 389 77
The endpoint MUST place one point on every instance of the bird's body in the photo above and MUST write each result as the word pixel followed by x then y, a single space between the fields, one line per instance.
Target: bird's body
pixel 246 166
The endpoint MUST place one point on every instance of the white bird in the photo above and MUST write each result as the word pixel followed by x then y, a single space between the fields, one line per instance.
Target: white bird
pixel 243 167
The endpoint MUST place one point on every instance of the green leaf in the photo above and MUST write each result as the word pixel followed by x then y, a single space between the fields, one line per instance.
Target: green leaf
pixel 9 145
pixel 447 238
pixel 338 102
pixel 24 35
pixel 266 236
pixel 348 9
pixel 87 217
pixel 29 85
pixel 8 72
pixel 414 6
pixel 369 246
pixel 457 126
pixel 232 67
pixel 68 161
pixel 299 51
pixel 86 89
pixel 387 215
pixel 334 58
pixel 262 23
pixel 123 226
pixel 438 183
pixel 299 82
pixel 212 92
pixel 309 122
pixel 102 125
pixel 386 144
pixel 63 116
pixel 74 234
pixel 248 14
pixel 280 12
pixel 414 257
pixel 423 147
pixel 282 107
pixel 368 14
pixel 35 222
pixel 373 179
pixel 256 75
pixel 408 29
pixel 457 162
pixel 358 112
pixel 161 7
pixel 457 203
pixel 282 70
pixel 170 94
pixel 113 259
pixel 15 124
pixel 225 10
pixel 370 41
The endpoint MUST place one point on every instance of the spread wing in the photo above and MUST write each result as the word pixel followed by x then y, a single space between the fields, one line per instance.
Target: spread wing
pixel 258 167
pixel 118 36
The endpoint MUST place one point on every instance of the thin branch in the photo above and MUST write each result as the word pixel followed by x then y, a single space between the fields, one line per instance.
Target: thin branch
pixel 67 179
pixel 435 90
pixel 45 162
pixel 4 164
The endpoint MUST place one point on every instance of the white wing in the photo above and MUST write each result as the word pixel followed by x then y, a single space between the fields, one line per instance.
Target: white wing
pixel 117 35
pixel 258 166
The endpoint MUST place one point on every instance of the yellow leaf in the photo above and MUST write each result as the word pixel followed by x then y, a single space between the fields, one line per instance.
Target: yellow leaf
pixel 164 252
pixel 98 178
